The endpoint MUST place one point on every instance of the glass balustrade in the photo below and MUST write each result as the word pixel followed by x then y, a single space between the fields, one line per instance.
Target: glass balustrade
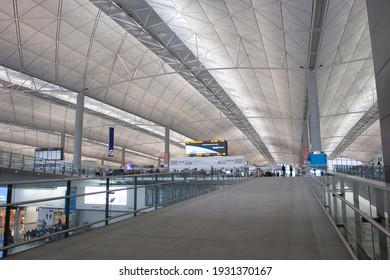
pixel 373 172
pixel 33 213
pixel 359 208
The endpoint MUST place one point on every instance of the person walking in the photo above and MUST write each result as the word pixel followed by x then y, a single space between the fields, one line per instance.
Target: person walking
pixel 44 225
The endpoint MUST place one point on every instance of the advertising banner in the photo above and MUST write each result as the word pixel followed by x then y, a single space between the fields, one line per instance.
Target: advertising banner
pixel 3 194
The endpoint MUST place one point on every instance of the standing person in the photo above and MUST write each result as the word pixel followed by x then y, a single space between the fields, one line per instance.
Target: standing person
pixel 59 224
pixel 291 169
pixel 11 237
pixel 97 171
pixel 284 170
pixel 44 224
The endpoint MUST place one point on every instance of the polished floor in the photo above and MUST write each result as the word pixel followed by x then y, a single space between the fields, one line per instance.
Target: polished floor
pixel 264 218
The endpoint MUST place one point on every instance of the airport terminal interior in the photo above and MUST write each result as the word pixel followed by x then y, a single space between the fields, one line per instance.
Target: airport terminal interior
pixel 194 129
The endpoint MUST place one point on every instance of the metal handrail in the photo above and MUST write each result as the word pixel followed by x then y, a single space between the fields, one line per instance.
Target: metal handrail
pixel 364 215
pixel 85 194
pixel 89 178
pixel 375 183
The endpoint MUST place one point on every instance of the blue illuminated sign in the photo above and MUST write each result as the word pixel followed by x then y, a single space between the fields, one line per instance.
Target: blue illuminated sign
pixel 317 159
pixel 111 142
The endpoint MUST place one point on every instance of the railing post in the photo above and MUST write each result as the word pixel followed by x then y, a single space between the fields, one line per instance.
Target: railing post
pixel 358 226
pixel 7 222
pixel 335 208
pixel 344 209
pixel 324 198
pixel 174 187
pixel 382 177
pixel 135 196
pixel 156 202
pixel 173 193
pixel 67 206
pixel 196 184
pixel 388 211
pixel 380 209
pixel 328 201
pixel 107 210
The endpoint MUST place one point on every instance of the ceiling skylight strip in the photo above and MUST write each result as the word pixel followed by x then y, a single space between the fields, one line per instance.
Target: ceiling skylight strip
pixel 19 81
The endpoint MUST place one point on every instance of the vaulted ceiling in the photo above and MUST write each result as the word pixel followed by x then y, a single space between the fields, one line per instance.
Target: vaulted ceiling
pixel 206 69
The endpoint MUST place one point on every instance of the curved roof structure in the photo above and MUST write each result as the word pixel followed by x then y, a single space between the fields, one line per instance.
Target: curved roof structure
pixel 206 69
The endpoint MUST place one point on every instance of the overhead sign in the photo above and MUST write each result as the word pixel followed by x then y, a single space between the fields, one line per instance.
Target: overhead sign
pixel 49 153
pixel 111 142
pixel 206 148
pixel 318 159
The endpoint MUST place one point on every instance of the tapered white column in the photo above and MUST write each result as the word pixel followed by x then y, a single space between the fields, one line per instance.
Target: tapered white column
pixel 166 152
pixel 379 19
pixel 314 113
pixel 304 143
pixel 123 157
pixel 63 145
pixel 78 133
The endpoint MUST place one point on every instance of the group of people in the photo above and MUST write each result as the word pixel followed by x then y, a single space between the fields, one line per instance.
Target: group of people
pixel 31 234
pixel 284 170
pixel 34 233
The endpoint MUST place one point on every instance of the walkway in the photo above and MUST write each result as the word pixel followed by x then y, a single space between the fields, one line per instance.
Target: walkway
pixel 264 218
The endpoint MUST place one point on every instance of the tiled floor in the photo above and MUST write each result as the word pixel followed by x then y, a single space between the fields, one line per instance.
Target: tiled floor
pixel 264 218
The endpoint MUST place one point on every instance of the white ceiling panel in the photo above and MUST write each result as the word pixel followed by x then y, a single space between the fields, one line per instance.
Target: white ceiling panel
pixel 254 56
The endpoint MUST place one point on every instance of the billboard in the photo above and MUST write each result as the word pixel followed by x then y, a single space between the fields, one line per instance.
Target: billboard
pixel 3 194
pixel 115 197
pixel 206 148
